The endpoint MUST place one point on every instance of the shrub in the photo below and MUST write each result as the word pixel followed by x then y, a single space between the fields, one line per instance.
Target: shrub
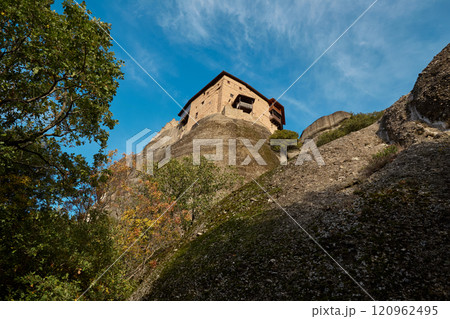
pixel 385 153
pixel 155 211
pixel 49 288
pixel 146 222
pixel 195 187
pixel 380 159
pixel 285 135
pixel 355 123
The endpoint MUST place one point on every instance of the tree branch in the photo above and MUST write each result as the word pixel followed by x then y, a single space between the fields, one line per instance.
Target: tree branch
pixel 60 117
pixel 50 91
pixel 63 173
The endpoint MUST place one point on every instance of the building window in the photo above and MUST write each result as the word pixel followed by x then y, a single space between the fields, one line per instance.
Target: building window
pixel 196 115
pixel 240 88
pixel 203 102
pixel 185 115
pixel 228 82
pixel 244 103
pixel 231 94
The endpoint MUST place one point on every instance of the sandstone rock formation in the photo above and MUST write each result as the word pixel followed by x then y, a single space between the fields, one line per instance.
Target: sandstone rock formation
pixel 425 112
pixel 325 123
pixel 430 97
pixel 395 124
pixel 218 126
pixel 388 229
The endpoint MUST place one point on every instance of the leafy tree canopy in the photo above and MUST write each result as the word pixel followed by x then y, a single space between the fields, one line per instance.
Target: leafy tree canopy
pixel 57 80
pixel 195 187
pixel 57 77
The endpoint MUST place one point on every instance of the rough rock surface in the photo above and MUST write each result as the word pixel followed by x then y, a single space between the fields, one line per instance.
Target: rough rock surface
pixel 430 96
pixel 395 124
pixel 218 126
pixel 389 230
pixel 171 130
pixel 425 112
pixel 344 160
pixel 325 123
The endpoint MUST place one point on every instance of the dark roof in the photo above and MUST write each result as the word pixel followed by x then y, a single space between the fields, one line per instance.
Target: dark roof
pixel 214 81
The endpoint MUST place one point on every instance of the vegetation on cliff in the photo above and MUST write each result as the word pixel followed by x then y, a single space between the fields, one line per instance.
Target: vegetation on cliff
pixel 189 232
pixel 285 135
pixel 352 124
pixel 251 250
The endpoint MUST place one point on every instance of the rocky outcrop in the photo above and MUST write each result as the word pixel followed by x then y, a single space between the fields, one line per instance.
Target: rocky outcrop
pixel 391 226
pixel 171 130
pixel 430 97
pixel 323 124
pixel 395 126
pixel 425 112
pixel 389 229
pixel 218 126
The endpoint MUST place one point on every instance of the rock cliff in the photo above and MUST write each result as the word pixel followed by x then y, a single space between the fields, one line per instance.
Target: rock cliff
pixel 423 113
pixel 430 97
pixel 323 124
pixel 218 126
pixel 388 230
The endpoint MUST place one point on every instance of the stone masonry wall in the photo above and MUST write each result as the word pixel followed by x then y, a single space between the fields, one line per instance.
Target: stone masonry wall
pixel 223 94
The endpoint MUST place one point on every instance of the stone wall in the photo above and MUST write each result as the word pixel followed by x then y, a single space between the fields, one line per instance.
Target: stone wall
pixel 232 88
pixel 233 113
pixel 222 94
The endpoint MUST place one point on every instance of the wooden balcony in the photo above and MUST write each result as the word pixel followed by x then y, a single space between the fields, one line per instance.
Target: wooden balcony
pixel 276 113
pixel 246 107
pixel 275 118
pixel 244 103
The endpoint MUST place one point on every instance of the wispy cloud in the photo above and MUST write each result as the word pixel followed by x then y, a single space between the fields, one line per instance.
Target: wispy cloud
pixel 241 24
pixel 270 43
pixel 297 106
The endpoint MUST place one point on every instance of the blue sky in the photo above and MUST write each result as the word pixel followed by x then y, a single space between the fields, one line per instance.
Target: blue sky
pixel 268 44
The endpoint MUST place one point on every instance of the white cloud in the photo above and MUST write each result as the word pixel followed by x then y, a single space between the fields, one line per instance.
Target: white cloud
pixel 209 22
pixel 273 42
pixel 298 105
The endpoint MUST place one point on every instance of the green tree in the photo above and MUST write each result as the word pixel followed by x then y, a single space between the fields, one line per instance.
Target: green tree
pixel 285 135
pixel 195 187
pixel 146 221
pixel 57 80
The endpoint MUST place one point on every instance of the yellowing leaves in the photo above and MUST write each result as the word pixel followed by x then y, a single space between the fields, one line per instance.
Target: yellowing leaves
pixel 147 221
